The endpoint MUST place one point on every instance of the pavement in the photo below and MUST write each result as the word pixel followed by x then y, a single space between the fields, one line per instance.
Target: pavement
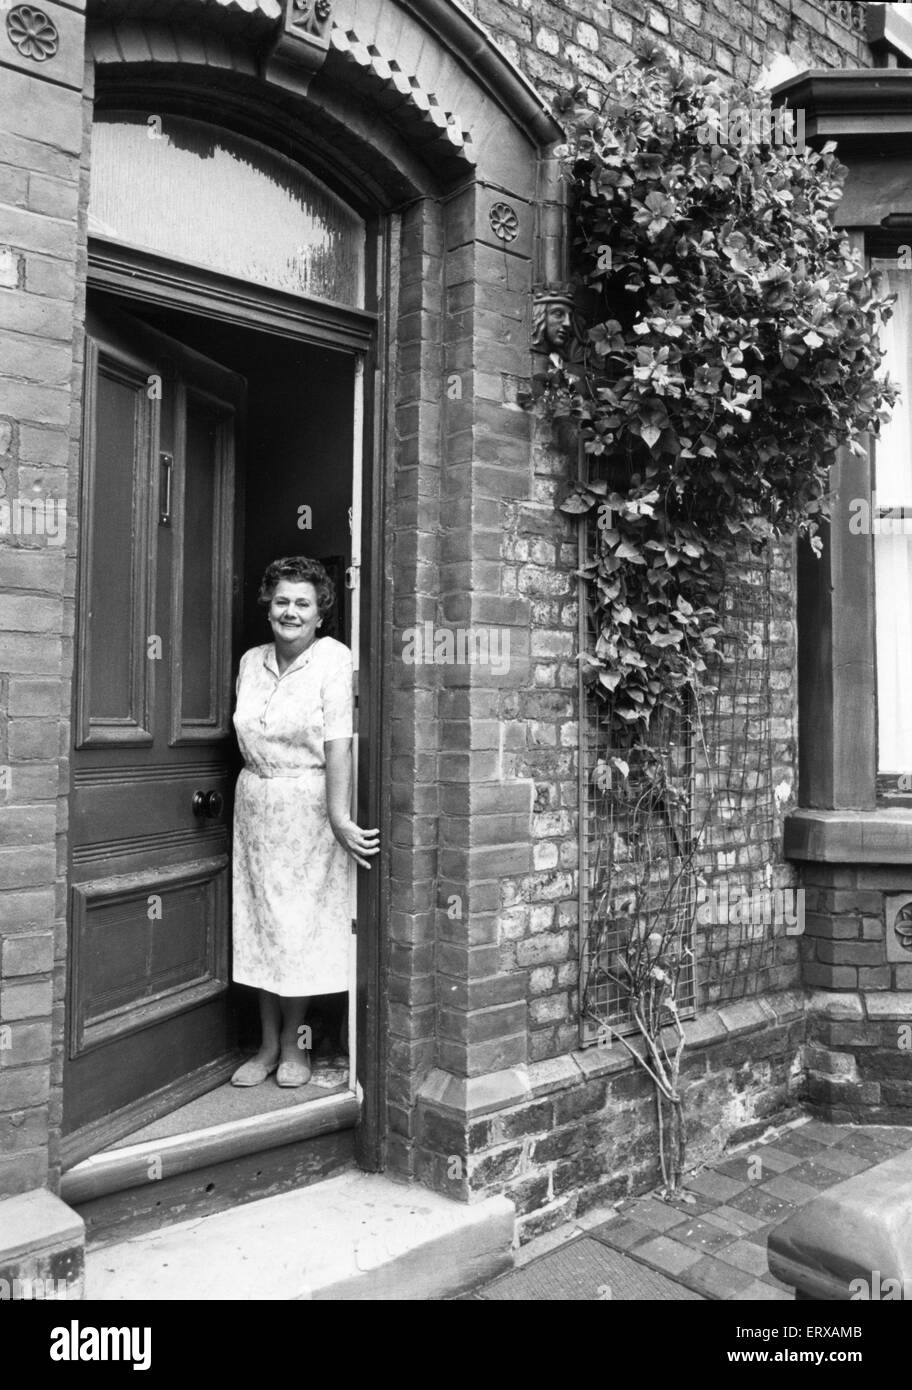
pixel 710 1241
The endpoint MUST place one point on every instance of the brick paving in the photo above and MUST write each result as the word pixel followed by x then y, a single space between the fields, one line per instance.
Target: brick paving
pixel 711 1243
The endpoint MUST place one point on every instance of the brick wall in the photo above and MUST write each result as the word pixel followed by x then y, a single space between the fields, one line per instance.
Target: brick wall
pixel 583 1137
pixel 539 917
pixel 584 1132
pixel 41 114
pixel 552 39
pixel 860 1013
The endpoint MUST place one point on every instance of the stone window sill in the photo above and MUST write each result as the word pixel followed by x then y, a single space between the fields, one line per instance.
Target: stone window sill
pixel 882 836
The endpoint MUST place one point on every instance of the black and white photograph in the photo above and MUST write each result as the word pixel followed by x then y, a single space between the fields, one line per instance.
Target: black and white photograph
pixel 455 667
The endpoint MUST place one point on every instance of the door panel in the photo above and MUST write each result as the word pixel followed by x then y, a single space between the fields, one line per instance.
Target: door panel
pixel 150 916
pixel 131 973
pixel 202 579
pixel 122 422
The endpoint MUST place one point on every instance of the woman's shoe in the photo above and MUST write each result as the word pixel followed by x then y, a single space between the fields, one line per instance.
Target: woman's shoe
pixel 296 1073
pixel 252 1073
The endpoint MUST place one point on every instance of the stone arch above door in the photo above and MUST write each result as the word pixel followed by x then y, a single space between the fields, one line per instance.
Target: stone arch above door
pixel 434 84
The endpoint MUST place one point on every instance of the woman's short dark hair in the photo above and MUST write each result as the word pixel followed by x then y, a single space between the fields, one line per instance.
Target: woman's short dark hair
pixel 298 569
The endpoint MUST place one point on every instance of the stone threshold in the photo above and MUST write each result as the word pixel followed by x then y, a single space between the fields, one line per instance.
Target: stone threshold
pixel 117 1169
pixel 359 1236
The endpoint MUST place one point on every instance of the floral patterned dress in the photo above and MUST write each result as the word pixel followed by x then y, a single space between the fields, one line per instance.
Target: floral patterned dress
pixel 291 906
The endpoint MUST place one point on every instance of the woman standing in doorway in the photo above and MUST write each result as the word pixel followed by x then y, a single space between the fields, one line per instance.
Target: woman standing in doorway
pixel 293 830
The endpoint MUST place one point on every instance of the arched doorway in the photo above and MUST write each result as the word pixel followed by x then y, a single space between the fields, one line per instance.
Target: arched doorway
pixel 214 440
pixel 410 324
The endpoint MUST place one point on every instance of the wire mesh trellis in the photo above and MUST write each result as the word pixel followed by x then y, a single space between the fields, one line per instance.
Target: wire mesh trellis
pixel 677 858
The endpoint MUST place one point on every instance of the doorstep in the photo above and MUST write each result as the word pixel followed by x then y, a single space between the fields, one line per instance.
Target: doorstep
pixel 128 1163
pixel 358 1236
pixel 228 1147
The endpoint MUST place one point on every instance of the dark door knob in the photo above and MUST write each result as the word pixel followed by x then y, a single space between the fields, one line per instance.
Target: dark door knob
pixel 208 804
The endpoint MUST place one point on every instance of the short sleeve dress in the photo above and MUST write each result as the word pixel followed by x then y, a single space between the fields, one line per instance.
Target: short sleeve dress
pixel 291 898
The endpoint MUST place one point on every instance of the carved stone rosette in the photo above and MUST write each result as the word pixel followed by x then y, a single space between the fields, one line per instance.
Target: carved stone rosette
pixel 32 33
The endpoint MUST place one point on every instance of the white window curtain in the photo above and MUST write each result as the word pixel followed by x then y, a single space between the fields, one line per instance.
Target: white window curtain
pixel 892 515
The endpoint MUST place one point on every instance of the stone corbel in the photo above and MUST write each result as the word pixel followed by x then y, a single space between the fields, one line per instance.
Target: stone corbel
pixel 302 44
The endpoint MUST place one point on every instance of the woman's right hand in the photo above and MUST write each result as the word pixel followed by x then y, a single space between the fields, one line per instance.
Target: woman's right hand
pixel 357 842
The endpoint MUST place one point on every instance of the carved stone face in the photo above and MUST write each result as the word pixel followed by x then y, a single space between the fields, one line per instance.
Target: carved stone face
pixel 554 324
pixel 558 326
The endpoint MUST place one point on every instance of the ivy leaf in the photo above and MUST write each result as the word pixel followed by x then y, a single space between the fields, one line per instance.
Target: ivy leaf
pixel 625 551
pixel 577 501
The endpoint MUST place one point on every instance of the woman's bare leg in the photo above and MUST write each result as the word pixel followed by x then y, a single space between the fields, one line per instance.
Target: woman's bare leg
pixel 295 1035
pixel 257 1068
pixel 270 1022
pixel 294 1038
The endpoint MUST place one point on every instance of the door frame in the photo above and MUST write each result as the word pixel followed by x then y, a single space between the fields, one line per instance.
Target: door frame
pixel 134 274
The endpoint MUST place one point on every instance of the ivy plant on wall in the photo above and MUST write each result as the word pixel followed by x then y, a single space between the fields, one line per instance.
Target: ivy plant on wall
pixel 733 349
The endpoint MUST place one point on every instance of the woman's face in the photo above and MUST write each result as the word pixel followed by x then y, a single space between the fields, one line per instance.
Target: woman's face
pixel 293 614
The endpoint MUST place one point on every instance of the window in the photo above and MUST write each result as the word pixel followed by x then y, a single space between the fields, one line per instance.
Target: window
pixel 198 194
pixel 891 523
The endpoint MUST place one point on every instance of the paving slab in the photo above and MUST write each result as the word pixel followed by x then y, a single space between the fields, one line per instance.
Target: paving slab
pixel 747 1256
pixel 895 1136
pixel 756 1202
pixel 582 1271
pixel 815 1175
pixel 865 1144
pixel 702 1234
pixel 824 1133
pixel 715 1279
pixel 667 1255
pixel 784 1185
pixel 716 1186
pixel 656 1214
pixel 743 1219
pixel 843 1161
pixel 758 1291
pixel 795 1141
pixel 724 1222
pixel 622 1234
pixel 743 1168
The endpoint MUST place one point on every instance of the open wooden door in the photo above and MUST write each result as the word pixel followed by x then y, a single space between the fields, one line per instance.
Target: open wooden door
pixel 149 1019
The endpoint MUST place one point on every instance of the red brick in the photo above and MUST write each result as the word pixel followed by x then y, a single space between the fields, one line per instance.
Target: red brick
pixel 27 954
pixel 29 1042
pixel 24 1087
pixel 22 1172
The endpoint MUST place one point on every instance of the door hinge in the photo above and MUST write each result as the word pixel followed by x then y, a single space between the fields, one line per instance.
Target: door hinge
pixel 353 576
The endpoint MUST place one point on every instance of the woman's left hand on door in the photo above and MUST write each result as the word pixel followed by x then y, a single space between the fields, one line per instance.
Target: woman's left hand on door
pixel 357 842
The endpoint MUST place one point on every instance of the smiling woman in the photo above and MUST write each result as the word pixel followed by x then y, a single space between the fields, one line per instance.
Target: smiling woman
pixel 293 830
